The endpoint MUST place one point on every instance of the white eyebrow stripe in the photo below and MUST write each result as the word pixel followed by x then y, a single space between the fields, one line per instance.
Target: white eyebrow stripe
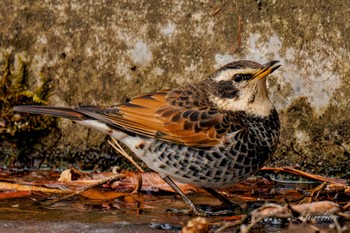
pixel 226 75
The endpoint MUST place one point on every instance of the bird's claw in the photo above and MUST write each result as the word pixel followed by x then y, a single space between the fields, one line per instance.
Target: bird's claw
pixel 200 212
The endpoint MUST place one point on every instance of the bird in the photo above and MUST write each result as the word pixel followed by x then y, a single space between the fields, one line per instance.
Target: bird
pixel 212 133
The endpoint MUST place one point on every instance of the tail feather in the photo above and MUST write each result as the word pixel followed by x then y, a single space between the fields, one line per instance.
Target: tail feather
pixel 68 113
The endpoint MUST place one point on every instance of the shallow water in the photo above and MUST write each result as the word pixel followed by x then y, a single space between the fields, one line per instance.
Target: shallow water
pixel 36 214
pixel 145 211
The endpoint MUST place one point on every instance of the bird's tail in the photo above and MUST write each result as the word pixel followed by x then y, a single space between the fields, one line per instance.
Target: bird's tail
pixel 68 113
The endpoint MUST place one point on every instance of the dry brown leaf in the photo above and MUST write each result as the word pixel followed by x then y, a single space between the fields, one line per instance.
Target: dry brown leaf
pixel 317 208
pixel 96 194
pixel 234 218
pixel 14 194
pixel 309 209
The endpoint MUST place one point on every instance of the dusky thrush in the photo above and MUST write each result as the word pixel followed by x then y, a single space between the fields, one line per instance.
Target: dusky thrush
pixel 212 133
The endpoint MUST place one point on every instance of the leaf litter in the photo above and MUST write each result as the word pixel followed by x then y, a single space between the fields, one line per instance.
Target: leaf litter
pixel 267 200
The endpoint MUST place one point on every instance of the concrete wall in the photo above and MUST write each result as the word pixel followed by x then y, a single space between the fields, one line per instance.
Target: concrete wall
pixel 107 52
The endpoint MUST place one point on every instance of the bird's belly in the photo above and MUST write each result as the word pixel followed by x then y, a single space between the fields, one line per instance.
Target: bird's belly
pixel 205 167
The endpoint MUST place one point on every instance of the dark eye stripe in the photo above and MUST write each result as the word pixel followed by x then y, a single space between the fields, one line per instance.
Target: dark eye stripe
pixel 226 89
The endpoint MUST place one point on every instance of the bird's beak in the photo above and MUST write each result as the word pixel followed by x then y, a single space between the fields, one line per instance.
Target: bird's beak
pixel 266 69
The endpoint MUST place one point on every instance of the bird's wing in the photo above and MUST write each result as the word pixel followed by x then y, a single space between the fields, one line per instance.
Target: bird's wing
pixel 151 115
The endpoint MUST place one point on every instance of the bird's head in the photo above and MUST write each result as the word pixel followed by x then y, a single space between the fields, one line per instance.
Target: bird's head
pixel 241 86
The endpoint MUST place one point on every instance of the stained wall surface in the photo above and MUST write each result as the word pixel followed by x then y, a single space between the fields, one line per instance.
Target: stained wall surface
pixel 107 52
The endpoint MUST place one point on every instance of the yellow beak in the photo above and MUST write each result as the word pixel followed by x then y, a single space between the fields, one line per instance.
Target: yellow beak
pixel 266 69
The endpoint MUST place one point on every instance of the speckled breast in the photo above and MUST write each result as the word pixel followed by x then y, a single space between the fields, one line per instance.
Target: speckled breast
pixel 242 155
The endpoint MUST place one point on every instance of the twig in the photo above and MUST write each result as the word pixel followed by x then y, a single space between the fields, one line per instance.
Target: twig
pixel 233 224
pixel 239 34
pixel 97 183
pixel 115 144
pixel 214 12
pixel 259 214
pixel 316 191
pixel 339 228
pixel 347 206
pixel 305 174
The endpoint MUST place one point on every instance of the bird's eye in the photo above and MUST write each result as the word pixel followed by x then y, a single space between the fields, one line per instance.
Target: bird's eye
pixel 238 77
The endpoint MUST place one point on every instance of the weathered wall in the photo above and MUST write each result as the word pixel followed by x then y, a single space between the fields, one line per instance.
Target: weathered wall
pixel 104 53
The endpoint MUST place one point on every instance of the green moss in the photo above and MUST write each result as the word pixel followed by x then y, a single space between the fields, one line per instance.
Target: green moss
pixel 20 128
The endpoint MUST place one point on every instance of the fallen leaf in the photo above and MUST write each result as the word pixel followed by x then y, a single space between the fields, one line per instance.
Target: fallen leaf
pixel 96 194
pixel 317 208
pixel 151 181
pixel 234 218
pixel 66 176
pixel 15 194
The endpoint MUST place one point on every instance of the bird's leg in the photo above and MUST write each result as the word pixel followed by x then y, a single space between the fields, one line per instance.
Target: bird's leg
pixel 194 208
pixel 221 198
pixel 197 210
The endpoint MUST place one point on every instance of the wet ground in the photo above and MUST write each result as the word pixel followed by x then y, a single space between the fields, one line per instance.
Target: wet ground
pixel 78 215
pixel 110 208
pixel 36 214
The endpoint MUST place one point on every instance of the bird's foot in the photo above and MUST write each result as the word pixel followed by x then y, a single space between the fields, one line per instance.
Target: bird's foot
pixel 203 210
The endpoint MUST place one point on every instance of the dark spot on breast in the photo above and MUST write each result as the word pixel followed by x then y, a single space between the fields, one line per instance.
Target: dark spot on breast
pixel 251 154
pixel 223 162
pixel 238 145
pixel 188 92
pixel 234 128
pixel 209 173
pixel 212 111
pixel 247 161
pixel 218 173
pixel 187 113
pixel 183 98
pixel 216 155
pixel 221 131
pixel 245 137
pixel 201 153
pixel 244 148
pixel 194 168
pixel 240 158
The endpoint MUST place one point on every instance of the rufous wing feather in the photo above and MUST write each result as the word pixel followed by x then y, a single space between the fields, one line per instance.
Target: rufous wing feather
pixel 151 115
